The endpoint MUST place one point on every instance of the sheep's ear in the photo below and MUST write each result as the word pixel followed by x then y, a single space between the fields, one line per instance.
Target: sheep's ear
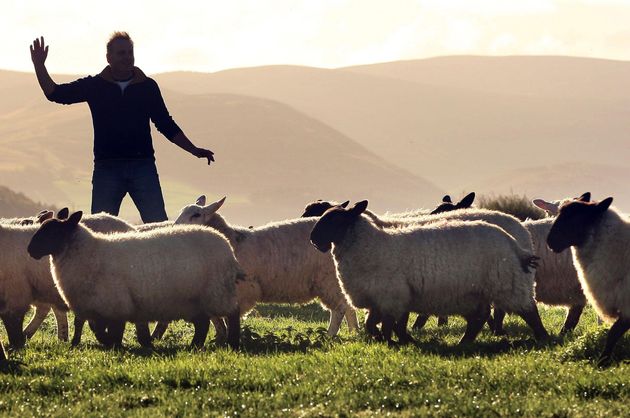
pixel 586 197
pixel 467 201
pixel 213 207
pixel 44 216
pixel 446 199
pixel 74 218
pixel 548 207
pixel 201 200
pixel 359 207
pixel 63 213
pixel 604 204
pixel 345 204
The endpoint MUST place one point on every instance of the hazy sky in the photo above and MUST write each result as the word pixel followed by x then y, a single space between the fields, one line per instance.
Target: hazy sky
pixel 213 35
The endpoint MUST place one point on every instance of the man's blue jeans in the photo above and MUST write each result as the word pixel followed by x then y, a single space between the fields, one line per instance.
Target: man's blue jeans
pixel 113 179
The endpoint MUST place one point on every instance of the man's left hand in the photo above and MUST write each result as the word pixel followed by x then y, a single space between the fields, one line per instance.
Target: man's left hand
pixel 205 153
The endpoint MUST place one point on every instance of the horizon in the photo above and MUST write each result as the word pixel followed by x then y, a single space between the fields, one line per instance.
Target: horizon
pixel 98 69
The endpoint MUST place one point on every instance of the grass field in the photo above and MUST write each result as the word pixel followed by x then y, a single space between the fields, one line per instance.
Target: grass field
pixel 288 367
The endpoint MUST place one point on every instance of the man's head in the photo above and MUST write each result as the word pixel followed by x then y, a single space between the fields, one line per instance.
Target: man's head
pixel 120 52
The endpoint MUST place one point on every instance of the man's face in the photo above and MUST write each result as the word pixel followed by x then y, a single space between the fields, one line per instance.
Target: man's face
pixel 120 56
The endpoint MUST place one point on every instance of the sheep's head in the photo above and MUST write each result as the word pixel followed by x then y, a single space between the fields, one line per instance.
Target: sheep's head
pixel 52 236
pixel 332 226
pixel 319 207
pixel 198 214
pixel 574 221
pixel 447 205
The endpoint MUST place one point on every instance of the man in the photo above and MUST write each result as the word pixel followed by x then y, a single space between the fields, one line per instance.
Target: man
pixel 122 101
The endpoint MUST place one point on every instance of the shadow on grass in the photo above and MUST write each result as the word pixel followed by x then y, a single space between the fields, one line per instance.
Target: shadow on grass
pixel 13 367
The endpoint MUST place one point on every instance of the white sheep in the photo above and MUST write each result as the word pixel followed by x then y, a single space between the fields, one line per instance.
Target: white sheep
pixel 41 309
pixel 280 264
pixel 509 223
pixel 23 281
pixel 599 237
pixel 438 268
pixel 557 282
pixel 171 273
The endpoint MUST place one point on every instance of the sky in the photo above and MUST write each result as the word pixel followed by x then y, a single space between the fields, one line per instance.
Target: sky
pixel 211 35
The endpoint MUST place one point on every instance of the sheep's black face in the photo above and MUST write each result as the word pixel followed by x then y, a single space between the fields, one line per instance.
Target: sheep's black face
pixel 329 229
pixel 318 208
pixel 332 226
pixel 52 236
pixel 573 223
pixel 45 241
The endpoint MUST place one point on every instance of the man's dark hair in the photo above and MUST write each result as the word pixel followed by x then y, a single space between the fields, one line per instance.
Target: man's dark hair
pixel 115 36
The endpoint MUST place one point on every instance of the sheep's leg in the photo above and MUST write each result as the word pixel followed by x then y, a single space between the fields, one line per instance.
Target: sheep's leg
pixel 78 330
pixel 336 316
pixel 41 311
pixel 573 317
pixel 3 355
pixel 115 331
pixel 143 335
pixel 234 330
pixel 496 325
pixel 351 319
pixel 387 328
pixel 421 320
pixel 220 330
pixel 400 328
pixel 159 330
pixel 61 317
pixel 474 324
pixel 442 321
pixel 13 324
pixel 371 322
pixel 202 325
pixel 616 331
pixel 532 318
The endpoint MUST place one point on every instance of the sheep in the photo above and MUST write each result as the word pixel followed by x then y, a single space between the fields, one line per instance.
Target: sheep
pixel 599 237
pixel 556 279
pixel 280 264
pixel 449 268
pixel 23 281
pixel 171 273
pixel 41 309
pixel 507 222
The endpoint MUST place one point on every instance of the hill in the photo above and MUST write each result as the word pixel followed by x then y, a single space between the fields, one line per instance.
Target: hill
pixel 271 159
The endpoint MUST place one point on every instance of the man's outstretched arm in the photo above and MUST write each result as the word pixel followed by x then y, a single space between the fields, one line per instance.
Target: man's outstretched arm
pixel 39 53
pixel 181 140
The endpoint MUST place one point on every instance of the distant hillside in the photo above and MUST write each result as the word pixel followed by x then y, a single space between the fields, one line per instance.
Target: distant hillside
pixel 270 159
pixel 543 76
pixel 14 204
pixel 457 121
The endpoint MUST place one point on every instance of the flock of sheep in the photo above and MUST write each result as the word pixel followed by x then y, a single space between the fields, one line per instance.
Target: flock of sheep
pixel 454 260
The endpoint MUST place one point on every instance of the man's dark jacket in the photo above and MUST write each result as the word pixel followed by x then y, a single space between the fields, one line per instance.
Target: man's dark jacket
pixel 120 119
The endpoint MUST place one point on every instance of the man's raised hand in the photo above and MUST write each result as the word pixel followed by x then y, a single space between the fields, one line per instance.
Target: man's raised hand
pixel 39 51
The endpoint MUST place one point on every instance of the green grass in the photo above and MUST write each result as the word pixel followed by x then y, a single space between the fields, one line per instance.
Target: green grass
pixel 289 367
